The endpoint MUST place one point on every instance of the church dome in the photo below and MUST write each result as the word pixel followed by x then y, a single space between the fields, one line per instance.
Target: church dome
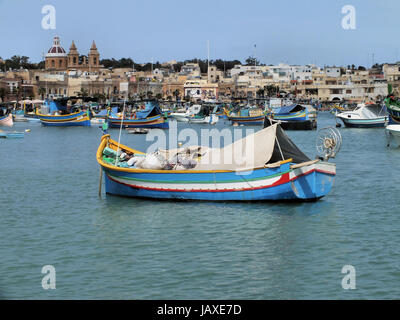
pixel 56 50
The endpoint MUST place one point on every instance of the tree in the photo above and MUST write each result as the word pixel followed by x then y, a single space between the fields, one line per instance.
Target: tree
pixel 251 61
pixel 260 92
pixel 158 96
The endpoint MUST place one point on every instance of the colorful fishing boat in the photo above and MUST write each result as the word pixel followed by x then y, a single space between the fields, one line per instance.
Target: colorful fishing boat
pixel 294 117
pixel 364 116
pixel 56 113
pixel 149 117
pixel 276 170
pixel 247 116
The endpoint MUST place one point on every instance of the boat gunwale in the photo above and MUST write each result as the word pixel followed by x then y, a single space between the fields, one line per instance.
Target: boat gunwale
pixel 63 115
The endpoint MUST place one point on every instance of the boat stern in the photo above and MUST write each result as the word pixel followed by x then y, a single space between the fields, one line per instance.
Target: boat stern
pixel 312 180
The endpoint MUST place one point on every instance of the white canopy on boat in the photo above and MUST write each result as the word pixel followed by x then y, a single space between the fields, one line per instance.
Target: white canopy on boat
pixel 253 151
pixel 266 146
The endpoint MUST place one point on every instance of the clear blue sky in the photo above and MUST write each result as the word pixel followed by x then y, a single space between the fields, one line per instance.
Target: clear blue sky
pixel 291 31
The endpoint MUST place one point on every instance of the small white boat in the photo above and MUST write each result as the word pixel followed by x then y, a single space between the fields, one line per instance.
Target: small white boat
pixel 394 131
pixel 364 116
pixel 138 131
pixel 196 114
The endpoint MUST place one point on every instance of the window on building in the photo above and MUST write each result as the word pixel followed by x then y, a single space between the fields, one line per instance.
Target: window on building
pixel 60 63
pixel 95 60
pixel 53 63
pixel 74 60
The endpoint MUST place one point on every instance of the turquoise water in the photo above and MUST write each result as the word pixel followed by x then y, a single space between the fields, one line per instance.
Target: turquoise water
pixel 118 248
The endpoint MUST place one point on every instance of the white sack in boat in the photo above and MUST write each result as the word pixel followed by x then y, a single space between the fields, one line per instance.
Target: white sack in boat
pixel 152 161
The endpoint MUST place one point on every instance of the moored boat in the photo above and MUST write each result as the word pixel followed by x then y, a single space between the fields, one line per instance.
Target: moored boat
pixel 197 113
pixel 364 116
pixel 149 117
pixel 276 169
pixel 294 117
pixel 247 116
pixel 56 113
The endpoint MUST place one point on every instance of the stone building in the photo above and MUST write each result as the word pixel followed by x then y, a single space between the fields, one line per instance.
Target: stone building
pixel 57 59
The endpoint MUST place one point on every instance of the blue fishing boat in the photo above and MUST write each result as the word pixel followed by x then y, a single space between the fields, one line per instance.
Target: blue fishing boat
pixel 278 170
pixel 294 117
pixel 56 113
pixel 247 116
pixel 150 116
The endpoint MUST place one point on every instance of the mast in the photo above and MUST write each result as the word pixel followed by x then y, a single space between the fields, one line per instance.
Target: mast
pixel 208 61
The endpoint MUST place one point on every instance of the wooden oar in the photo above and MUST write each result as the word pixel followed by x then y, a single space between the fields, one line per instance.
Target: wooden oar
pixel 100 180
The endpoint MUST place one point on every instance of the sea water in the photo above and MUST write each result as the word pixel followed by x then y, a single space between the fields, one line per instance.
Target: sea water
pixel 118 248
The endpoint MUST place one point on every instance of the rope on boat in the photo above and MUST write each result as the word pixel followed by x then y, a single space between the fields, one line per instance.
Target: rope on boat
pixel 120 130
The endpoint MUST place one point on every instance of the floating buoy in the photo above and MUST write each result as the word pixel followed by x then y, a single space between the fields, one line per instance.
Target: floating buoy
pixel 28 130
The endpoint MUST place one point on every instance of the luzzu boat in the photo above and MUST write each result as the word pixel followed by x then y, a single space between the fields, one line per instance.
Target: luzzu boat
pixel 55 114
pixel 294 117
pixel 246 116
pixel 150 117
pixel 278 170
pixel 364 116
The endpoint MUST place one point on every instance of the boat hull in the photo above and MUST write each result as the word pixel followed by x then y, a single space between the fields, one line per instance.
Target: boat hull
pixel 394 131
pixel 293 125
pixel 180 117
pixel 364 123
pixel 213 119
pixel 251 121
pixel 75 119
pixel 152 122
pixel 310 182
